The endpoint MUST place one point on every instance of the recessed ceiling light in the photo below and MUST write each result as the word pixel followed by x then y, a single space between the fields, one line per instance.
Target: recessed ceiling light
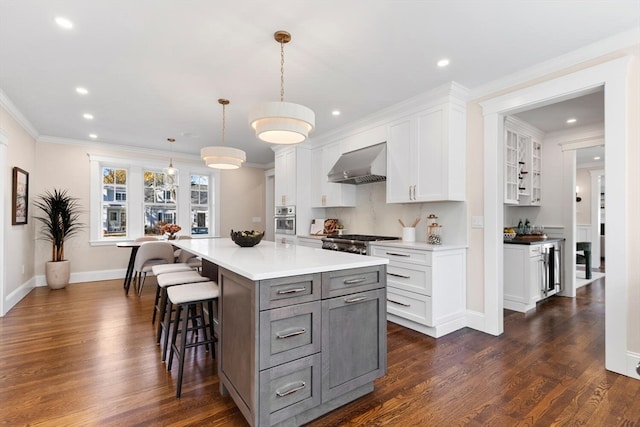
pixel 82 90
pixel 596 158
pixel 443 62
pixel 335 112
pixel 88 116
pixel 571 120
pixel 63 22
pixel 93 136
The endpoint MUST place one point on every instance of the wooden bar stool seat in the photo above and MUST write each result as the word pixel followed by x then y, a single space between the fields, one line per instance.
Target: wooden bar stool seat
pixel 191 298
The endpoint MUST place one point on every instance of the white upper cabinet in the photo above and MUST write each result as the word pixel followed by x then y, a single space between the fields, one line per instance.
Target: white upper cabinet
pixel 426 155
pixel 324 193
pixel 285 177
pixel 522 163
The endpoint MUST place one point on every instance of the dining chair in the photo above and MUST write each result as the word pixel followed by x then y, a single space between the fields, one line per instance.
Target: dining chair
pixel 150 254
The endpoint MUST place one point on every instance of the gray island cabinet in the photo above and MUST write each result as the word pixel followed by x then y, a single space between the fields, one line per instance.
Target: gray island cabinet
pixel 302 331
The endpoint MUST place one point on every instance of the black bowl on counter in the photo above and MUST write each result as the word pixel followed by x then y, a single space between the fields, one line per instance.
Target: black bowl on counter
pixel 246 239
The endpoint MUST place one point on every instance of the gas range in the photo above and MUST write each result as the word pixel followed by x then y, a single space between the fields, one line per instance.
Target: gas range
pixel 352 243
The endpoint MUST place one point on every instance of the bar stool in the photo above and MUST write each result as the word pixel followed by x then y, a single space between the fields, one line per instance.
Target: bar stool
pixel 164 320
pixel 164 269
pixel 188 298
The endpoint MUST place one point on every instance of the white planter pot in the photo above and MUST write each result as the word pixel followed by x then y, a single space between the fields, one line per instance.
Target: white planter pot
pixel 57 274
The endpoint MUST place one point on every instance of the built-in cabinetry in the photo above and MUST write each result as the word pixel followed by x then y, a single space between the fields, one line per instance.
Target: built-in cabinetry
pixel 426 155
pixel 531 273
pixel 522 164
pixel 426 286
pixel 285 176
pixel 293 348
pixel 324 193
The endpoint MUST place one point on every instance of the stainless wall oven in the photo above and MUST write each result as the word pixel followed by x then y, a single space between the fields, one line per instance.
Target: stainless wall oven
pixel 285 220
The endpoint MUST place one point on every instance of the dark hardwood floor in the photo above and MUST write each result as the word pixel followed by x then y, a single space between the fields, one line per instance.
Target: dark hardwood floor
pixel 86 355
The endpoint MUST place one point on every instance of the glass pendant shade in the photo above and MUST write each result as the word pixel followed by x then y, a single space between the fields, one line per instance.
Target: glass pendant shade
pixel 223 157
pixel 282 122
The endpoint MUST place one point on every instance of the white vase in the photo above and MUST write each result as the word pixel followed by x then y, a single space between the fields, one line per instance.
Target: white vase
pixel 57 274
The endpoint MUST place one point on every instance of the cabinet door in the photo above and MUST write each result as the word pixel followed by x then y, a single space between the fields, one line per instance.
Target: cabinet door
pixel 285 177
pixel 354 343
pixel 511 167
pixel 535 278
pixel 428 156
pixel 323 192
pixel 399 165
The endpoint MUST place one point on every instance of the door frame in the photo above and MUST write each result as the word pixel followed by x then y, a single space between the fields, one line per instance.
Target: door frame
pixel 613 76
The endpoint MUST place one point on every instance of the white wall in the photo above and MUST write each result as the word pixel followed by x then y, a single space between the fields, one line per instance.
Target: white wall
pixel 19 240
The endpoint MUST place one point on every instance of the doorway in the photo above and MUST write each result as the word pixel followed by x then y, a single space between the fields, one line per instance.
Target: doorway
pixel 613 77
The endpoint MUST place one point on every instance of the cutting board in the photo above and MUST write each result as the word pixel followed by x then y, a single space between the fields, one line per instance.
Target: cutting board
pixel 317 226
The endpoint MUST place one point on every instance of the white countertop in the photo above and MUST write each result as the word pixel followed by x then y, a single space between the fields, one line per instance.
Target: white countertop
pixel 269 260
pixel 423 246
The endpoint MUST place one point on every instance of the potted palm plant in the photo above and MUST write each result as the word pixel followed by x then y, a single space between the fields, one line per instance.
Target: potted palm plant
pixel 59 222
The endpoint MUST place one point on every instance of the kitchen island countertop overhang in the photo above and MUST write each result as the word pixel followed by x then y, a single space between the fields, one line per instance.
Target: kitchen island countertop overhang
pixel 269 260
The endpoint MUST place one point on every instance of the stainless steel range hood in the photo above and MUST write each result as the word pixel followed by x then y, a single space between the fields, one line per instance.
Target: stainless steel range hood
pixel 361 166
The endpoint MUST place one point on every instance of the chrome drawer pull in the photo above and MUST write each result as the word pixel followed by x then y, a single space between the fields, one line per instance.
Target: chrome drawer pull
pixel 292 390
pixel 398 275
pixel 397 254
pixel 356 299
pixel 291 334
pixel 291 291
pixel 354 281
pixel 399 303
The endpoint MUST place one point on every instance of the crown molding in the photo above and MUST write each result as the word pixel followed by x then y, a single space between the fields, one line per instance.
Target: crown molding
pixel 10 107
pixel 622 43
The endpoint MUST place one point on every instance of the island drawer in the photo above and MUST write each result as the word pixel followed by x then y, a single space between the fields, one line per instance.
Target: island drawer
pixel 286 291
pixel 410 306
pixel 290 389
pixel 289 333
pixel 345 282
pixel 410 277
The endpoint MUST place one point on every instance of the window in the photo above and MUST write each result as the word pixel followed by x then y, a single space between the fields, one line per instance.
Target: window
pixel 199 204
pixel 130 198
pixel 114 202
pixel 160 206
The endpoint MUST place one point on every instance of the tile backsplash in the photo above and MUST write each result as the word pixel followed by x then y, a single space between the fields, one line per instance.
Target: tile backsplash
pixel 374 216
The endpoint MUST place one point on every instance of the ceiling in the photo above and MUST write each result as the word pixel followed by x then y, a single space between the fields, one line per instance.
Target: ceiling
pixel 155 69
pixel 586 110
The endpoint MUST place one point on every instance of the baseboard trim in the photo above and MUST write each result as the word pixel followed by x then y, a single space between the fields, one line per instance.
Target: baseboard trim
pixel 88 276
pixel 16 296
pixel 633 359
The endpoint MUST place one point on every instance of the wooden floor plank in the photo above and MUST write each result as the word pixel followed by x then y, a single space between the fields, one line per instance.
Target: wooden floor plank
pixel 86 355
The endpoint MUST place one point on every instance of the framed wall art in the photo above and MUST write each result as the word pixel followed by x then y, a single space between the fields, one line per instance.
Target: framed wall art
pixel 19 196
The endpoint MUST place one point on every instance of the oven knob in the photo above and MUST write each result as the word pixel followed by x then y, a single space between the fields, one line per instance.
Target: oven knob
pixel 335 247
pixel 353 249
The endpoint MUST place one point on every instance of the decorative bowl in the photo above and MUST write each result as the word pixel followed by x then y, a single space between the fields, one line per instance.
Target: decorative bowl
pixel 509 236
pixel 246 239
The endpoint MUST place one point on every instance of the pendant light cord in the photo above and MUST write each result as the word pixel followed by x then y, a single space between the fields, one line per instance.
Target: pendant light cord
pixel 281 71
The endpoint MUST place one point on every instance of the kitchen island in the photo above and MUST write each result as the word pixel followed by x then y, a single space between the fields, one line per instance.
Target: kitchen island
pixel 301 332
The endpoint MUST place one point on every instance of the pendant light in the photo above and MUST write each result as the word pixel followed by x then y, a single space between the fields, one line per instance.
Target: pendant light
pixel 170 173
pixel 221 157
pixel 282 122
